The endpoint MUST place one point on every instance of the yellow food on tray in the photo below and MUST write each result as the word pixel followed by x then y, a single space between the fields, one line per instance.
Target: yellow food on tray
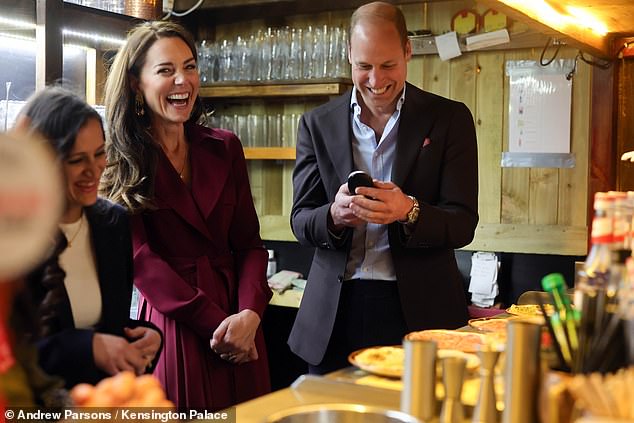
pixel 488 324
pixel 386 361
pixel 529 309
pixel 390 361
pixel 450 339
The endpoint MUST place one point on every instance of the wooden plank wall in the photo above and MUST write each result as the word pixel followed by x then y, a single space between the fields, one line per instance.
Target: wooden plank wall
pixel 523 210
pixel 625 126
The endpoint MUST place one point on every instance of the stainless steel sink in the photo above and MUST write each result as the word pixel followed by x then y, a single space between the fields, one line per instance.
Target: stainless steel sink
pixel 340 413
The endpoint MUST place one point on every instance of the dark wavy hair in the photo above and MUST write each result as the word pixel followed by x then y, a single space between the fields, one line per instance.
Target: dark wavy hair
pixel 131 152
pixel 57 115
pixel 45 285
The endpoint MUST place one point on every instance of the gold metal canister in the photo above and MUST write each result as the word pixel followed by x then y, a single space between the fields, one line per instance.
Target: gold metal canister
pixel 144 9
pixel 521 377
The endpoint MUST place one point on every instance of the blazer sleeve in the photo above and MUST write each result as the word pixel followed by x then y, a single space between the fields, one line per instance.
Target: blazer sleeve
pixel 244 236
pixel 136 323
pixel 450 222
pixel 167 291
pixel 311 205
pixel 69 353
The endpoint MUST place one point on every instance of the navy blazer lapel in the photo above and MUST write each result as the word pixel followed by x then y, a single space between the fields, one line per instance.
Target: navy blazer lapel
pixel 337 135
pixel 112 244
pixel 416 122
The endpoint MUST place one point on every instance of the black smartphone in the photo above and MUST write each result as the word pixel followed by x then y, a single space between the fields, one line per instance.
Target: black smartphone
pixel 358 178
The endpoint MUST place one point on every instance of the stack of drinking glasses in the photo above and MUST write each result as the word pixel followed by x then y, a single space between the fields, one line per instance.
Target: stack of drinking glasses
pixel 276 54
pixel 260 130
pixel 115 6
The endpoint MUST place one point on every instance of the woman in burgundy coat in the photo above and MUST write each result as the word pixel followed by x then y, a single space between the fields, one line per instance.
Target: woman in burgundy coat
pixel 200 264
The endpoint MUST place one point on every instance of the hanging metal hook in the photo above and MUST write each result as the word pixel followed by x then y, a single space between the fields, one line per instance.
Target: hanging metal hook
pixel 541 56
pixel 572 72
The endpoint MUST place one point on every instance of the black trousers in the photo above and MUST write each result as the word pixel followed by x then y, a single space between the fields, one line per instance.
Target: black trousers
pixel 369 314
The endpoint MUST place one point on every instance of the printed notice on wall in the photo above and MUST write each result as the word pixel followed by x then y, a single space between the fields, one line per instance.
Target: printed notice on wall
pixel 539 106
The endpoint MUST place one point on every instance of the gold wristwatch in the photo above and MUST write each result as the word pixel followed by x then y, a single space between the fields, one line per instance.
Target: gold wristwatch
pixel 412 215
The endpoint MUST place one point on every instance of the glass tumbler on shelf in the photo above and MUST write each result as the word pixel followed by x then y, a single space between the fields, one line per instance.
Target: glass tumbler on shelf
pixel 114 6
pixel 203 63
pixel 273 124
pixel 278 54
pixel 331 65
pixel 92 3
pixel 257 130
pixel 319 52
pixel 239 60
pixel 307 53
pixel 243 130
pixel 295 54
pixel 226 122
pixel 226 71
pixel 252 57
pixel 263 62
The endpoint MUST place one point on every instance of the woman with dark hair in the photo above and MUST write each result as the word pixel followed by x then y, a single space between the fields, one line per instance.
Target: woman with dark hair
pixel 200 264
pixel 83 291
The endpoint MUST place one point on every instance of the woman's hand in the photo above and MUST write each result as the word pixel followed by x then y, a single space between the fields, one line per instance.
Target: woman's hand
pixel 146 340
pixel 114 354
pixel 234 339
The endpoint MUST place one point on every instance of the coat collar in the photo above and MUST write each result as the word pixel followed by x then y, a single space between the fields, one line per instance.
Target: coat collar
pixel 210 163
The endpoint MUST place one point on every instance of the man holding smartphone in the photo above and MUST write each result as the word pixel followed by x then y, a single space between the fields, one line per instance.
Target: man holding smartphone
pixel 384 263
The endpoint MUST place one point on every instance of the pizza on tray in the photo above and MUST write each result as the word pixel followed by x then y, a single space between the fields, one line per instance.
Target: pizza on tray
pixel 450 339
pixel 529 309
pixel 390 361
pixel 488 324
pixel 384 361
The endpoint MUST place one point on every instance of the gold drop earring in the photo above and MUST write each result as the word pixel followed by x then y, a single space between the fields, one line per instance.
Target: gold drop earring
pixel 139 104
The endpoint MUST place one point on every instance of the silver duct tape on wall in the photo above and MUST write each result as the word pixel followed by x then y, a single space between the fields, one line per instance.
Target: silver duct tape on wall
pixel 144 9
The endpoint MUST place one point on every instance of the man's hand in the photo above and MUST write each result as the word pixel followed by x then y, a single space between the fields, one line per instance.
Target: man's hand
pixel 340 211
pixel 386 205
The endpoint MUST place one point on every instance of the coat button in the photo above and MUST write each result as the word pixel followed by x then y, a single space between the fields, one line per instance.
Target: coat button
pixel 340 278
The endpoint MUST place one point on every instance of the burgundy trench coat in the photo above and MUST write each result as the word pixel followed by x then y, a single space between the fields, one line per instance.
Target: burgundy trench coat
pixel 197 259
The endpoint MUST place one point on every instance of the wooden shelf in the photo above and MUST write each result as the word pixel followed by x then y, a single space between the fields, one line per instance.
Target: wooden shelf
pixel 526 39
pixel 213 12
pixel 330 87
pixel 92 20
pixel 269 153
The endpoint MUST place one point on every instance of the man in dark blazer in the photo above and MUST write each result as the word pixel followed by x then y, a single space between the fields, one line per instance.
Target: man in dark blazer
pixel 384 263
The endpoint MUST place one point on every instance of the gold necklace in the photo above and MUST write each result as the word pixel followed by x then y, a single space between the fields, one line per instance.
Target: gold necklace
pixel 182 172
pixel 72 239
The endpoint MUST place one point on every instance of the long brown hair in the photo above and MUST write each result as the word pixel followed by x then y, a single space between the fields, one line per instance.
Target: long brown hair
pixel 131 152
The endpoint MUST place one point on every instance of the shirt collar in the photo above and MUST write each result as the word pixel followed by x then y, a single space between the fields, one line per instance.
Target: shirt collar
pixel 356 107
